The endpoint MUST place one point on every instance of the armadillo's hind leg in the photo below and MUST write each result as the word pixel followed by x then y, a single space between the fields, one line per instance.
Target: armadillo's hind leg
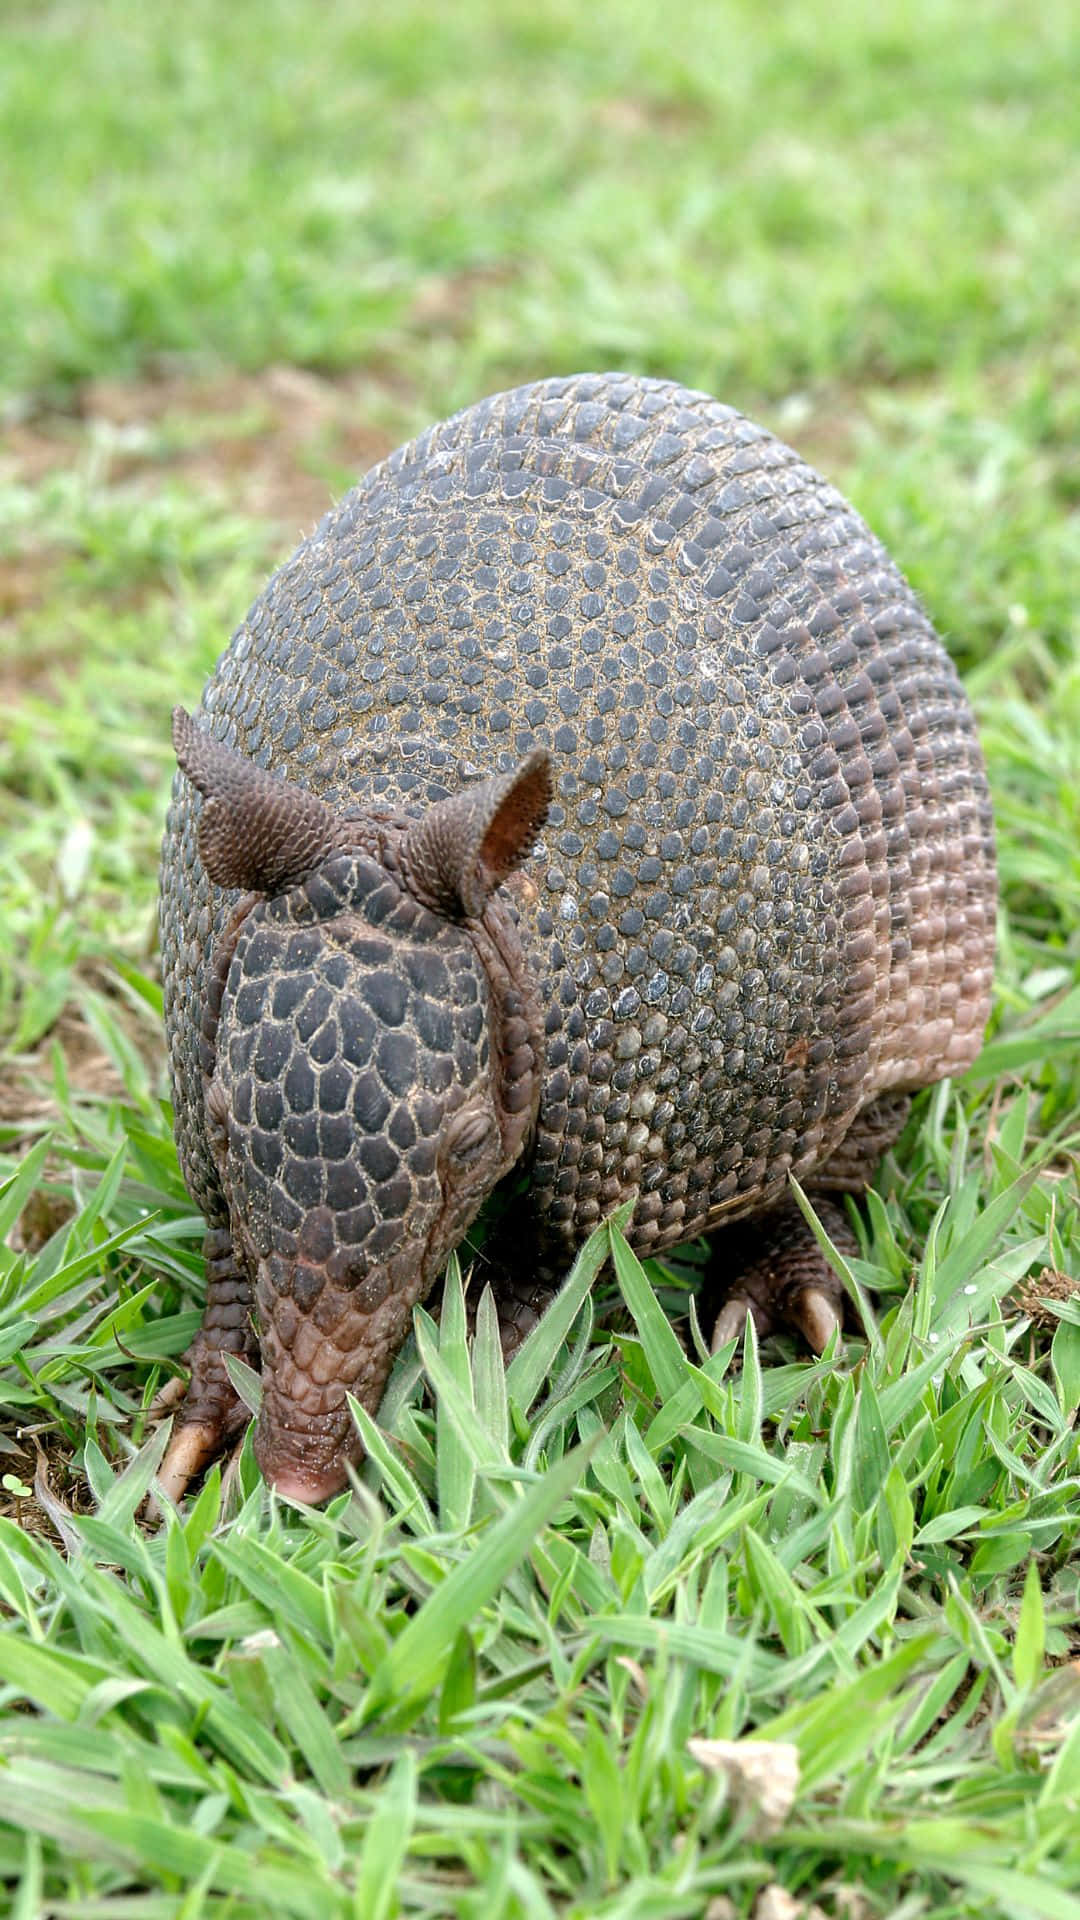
pixel 773 1267
pixel 212 1414
pixel 520 1306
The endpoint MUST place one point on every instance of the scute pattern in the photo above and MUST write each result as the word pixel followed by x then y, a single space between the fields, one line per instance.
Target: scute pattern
pixel 325 1159
pixel 766 891
pixel 312 1073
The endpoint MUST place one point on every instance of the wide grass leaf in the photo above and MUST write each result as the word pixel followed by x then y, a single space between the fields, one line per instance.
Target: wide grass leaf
pixel 667 1362
pixel 386 1842
pixel 420 1653
pixel 532 1364
pixel 60 1682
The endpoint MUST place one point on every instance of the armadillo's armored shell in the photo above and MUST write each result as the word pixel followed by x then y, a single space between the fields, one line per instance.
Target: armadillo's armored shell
pixel 766 890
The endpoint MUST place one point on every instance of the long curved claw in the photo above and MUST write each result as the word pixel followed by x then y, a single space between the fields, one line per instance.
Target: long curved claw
pixel 813 1313
pixel 167 1397
pixel 231 1490
pixel 775 1269
pixel 730 1321
pixel 191 1448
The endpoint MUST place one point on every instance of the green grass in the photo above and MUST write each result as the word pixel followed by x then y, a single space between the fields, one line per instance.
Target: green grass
pixel 241 250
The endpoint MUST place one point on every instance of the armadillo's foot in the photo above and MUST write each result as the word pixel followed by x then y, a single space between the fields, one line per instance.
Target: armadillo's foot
pixel 212 1413
pixel 810 1311
pixel 520 1305
pixel 210 1418
pixel 191 1450
pixel 776 1272
pixel 521 1300
pixel 519 1315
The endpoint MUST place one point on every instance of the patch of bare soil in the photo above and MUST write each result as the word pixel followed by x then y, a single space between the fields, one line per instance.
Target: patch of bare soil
pixel 633 115
pixel 24 580
pixel 26 1098
pixel 266 440
pixel 446 302
pixel 42 1493
pixel 280 444
pixel 274 445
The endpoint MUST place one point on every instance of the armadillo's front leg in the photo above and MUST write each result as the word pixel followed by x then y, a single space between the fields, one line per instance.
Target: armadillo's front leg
pixel 523 1284
pixel 212 1414
pixel 520 1303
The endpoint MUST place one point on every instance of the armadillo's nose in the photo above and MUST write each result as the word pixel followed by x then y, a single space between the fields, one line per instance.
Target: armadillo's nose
pixel 311 1487
pixel 302 1450
pixel 320 1342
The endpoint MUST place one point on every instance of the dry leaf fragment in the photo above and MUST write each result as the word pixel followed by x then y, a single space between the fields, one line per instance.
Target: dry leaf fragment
pixel 775 1903
pixel 763 1776
pixel 1051 1284
pixel 636 1672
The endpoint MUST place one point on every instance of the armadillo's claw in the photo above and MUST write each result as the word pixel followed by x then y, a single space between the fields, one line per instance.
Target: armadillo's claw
pixel 813 1313
pixel 213 1413
pixel 192 1447
pixel 184 1458
pixel 774 1269
pixel 167 1397
pixel 730 1321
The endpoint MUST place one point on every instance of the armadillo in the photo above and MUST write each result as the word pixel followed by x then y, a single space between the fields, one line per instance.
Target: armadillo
pixel 587 811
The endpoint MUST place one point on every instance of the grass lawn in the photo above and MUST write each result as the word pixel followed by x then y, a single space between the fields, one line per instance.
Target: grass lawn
pixel 244 250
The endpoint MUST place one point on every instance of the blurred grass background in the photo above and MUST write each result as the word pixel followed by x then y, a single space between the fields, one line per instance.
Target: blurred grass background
pixel 243 251
pixel 724 195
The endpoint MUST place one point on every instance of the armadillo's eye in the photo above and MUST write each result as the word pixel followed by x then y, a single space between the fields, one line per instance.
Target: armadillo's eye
pixel 467 1133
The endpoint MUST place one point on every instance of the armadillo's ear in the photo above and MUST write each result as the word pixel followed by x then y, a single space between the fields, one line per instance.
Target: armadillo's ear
pixel 464 847
pixel 256 831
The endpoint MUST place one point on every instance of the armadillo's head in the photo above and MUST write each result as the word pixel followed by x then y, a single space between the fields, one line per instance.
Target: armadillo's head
pixel 370 1069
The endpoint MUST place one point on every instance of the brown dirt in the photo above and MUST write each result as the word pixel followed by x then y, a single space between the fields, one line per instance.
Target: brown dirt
pixel 42 1467
pixel 634 115
pixel 275 445
pixel 1049 1285
pixel 279 445
pixel 23 580
pixel 446 302
pixel 26 1099
pixel 266 440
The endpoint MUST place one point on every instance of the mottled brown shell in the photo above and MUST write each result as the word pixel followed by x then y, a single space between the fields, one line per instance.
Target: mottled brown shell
pixel 766 891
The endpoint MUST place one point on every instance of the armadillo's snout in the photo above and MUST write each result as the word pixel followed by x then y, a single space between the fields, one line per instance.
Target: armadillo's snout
pixel 322 1339
pixel 311 1485
pixel 304 1449
pixel 361 1114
